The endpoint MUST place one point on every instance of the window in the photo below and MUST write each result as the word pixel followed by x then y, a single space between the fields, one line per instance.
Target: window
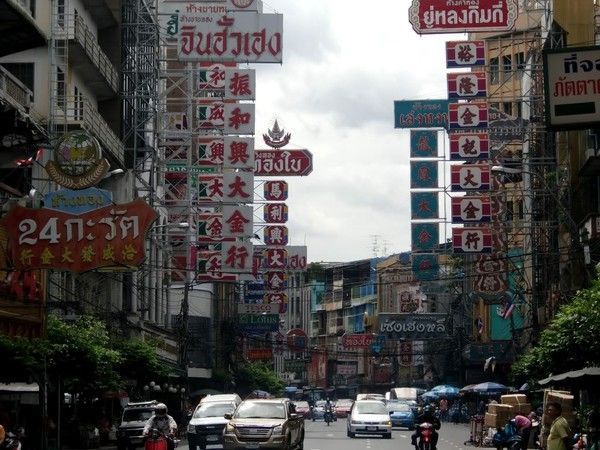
pixel 494 71
pixel 506 67
pixel 60 13
pixel 519 109
pixel 521 213
pixel 78 99
pixel 509 212
pixel 507 108
pixel 22 71
pixel 520 62
pixel 61 89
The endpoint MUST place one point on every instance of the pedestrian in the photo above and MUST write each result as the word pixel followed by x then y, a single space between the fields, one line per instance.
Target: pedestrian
pixel 481 408
pixel 560 432
pixel 443 409
pixel 523 425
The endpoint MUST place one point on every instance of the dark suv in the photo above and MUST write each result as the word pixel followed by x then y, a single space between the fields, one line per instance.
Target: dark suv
pixel 130 433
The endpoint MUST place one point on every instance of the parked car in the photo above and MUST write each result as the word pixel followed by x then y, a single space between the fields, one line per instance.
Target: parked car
pixel 207 422
pixel 302 409
pixel 342 407
pixel 401 414
pixel 369 417
pixel 130 433
pixel 264 423
pixel 370 396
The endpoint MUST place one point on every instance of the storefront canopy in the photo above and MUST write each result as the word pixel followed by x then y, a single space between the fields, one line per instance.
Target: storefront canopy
pixel 589 375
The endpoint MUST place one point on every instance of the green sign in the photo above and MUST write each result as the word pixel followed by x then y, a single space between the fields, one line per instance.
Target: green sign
pixel 190 169
pixel 294 365
pixel 259 322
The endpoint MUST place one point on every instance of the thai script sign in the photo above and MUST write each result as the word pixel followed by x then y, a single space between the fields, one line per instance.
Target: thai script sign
pixel 77 202
pixel 112 236
pixel 472 240
pixel 465 54
pixel 257 308
pixel 357 340
pixel 275 190
pixel 466 85
pixel 468 115
pixel 413 326
pixel 471 208
pixel 236 36
pixel 469 146
pixel 277 163
pixel 467 177
pixel 572 78
pixel 462 16
pixel 421 114
pixel 423 143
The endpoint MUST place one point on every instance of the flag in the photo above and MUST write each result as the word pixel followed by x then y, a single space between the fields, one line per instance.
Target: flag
pixel 479 324
pixel 507 308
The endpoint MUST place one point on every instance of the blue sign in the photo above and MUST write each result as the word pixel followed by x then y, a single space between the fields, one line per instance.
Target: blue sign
pixel 425 236
pixel 78 201
pixel 421 114
pixel 423 175
pixel 423 144
pixel 424 205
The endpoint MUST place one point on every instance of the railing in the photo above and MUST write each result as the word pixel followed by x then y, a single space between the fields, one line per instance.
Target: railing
pixel 15 92
pixel 89 42
pixel 80 111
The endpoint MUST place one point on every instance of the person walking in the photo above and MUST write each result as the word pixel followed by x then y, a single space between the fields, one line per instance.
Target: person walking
pixel 443 409
pixel 523 425
pixel 560 432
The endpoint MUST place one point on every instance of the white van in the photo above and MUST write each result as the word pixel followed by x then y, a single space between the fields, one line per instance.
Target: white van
pixel 208 420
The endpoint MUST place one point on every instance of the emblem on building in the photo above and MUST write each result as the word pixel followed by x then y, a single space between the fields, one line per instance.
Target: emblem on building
pixel 78 162
pixel 275 137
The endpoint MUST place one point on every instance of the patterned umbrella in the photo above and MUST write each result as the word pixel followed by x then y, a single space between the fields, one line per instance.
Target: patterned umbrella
pixel 447 391
pixel 490 388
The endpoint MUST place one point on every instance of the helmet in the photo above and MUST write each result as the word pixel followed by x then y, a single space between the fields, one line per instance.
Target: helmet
pixel 160 409
pixel 427 409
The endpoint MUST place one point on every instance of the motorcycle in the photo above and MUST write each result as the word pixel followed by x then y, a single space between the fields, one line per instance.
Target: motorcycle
pixel 328 416
pixel 11 442
pixel 157 440
pixel 425 436
pixel 507 437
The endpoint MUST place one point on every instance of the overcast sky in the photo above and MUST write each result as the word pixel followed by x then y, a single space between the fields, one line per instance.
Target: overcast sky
pixel 344 64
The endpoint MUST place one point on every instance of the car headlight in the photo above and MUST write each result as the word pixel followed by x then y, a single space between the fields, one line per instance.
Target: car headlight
pixel 229 428
pixel 388 423
pixel 278 429
pixel 191 428
pixel 356 422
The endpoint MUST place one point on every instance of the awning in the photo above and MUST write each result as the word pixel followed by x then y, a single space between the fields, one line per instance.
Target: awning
pixel 19 387
pixel 587 375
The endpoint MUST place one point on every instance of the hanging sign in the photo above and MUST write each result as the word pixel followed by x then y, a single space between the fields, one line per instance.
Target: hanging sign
pixel 472 240
pixel 413 326
pixel 466 177
pixel 465 54
pixel 466 85
pixel 278 163
pixel 468 115
pixel 275 190
pixel 469 146
pixel 471 208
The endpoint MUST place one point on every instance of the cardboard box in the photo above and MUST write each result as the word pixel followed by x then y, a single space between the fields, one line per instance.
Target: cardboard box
pixel 499 408
pixel 565 400
pixel 513 399
pixel 491 420
pixel 523 409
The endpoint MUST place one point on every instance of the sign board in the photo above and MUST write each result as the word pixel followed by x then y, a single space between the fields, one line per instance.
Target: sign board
pixel 421 114
pixel 424 236
pixel 297 339
pixel 466 85
pixel 279 163
pixel 236 36
pixel 465 54
pixel 78 202
pixel 572 87
pixel 423 143
pixel 443 16
pixel 472 240
pixel 275 213
pixel 258 354
pixel 257 308
pixel 413 326
pixel 471 208
pixel 468 115
pixel 425 267
pixel 469 146
pixel 259 322
pixel 467 177
pixel 109 237
pixel 423 174
pixel 357 340
pixel 424 205
pixel 276 190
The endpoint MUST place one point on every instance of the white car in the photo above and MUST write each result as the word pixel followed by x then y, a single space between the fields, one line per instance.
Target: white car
pixel 369 417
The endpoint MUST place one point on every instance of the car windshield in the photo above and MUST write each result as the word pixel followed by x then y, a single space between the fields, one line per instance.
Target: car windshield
pixel 371 408
pixel 137 415
pixel 260 410
pixel 401 407
pixel 301 404
pixel 213 410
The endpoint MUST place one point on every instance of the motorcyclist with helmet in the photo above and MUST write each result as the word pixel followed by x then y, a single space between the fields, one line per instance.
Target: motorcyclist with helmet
pixel 426 416
pixel 163 423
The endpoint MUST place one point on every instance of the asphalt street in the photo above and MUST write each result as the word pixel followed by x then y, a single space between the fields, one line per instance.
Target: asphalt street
pixel 319 436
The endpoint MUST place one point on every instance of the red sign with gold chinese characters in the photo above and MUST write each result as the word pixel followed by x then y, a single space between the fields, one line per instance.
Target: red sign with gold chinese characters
pixel 110 237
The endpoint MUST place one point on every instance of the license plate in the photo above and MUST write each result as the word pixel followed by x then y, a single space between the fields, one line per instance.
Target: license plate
pixel 212 438
pixel 251 446
pixel 371 428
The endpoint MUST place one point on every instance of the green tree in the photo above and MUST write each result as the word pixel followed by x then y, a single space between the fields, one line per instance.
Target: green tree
pixel 570 342
pixel 257 375
pixel 138 361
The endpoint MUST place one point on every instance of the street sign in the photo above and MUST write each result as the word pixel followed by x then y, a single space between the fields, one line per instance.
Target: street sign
pixel 278 163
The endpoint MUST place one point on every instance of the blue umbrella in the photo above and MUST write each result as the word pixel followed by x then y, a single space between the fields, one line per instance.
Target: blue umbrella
pixel 429 395
pixel 447 391
pixel 490 388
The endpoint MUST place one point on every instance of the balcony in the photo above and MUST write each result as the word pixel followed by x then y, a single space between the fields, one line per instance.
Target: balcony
pixel 18 29
pixel 91 62
pixel 81 113
pixel 13 91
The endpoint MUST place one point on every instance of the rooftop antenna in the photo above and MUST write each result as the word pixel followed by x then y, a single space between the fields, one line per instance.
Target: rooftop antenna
pixel 375 244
